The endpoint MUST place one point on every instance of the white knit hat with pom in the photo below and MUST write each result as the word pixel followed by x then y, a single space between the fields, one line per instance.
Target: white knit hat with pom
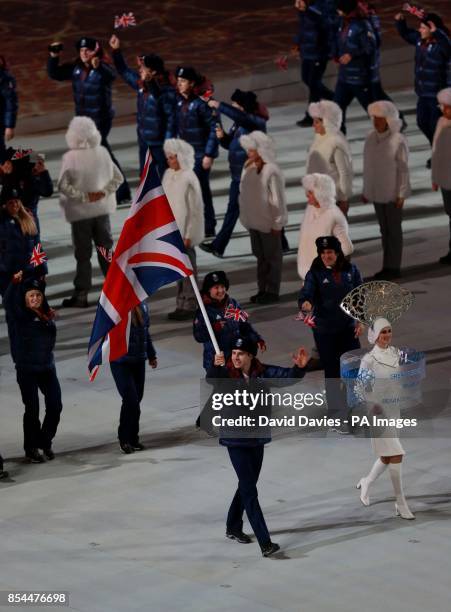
pixel 329 112
pixel 387 110
pixel 262 143
pixel 323 188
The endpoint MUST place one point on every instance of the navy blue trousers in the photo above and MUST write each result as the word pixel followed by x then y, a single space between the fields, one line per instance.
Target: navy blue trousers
pixel 428 114
pixel 247 462
pixel 312 73
pixel 231 217
pixel 157 155
pixel 129 377
pixel 30 383
pixel 330 348
pixel 123 192
pixel 345 94
pixel 209 211
pixel 2 144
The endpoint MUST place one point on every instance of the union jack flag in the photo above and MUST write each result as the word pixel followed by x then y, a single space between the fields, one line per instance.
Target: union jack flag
pixel 307 318
pixel 38 256
pixel 124 21
pixel 235 313
pixel 149 254
pixel 21 153
pixel 107 254
pixel 414 10
pixel 282 62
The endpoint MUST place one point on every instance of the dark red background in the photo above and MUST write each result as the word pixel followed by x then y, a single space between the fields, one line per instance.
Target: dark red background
pixel 220 37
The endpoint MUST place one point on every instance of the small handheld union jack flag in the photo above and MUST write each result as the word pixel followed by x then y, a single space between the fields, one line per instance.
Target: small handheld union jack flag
pixel 414 10
pixel 21 153
pixel 38 256
pixel 107 254
pixel 236 314
pixel 282 62
pixel 207 95
pixel 124 21
pixel 307 318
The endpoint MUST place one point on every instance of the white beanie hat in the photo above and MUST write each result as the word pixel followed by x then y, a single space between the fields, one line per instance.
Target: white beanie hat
pixel 262 143
pixel 376 328
pixel 183 150
pixel 387 110
pixel 444 96
pixel 329 112
pixel 323 188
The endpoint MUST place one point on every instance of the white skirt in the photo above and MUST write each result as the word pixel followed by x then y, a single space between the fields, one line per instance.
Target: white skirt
pixel 387 447
pixel 385 440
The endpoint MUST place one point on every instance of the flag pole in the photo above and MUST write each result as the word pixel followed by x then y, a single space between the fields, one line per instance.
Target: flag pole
pixel 204 314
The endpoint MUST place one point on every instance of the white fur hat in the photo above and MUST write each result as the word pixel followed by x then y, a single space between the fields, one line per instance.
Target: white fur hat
pixel 329 112
pixel 387 110
pixel 82 133
pixel 262 143
pixel 444 96
pixel 323 188
pixel 183 150
pixel 376 328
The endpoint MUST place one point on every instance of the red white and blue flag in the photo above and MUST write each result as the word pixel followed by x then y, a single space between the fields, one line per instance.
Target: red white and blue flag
pixel 149 254
pixel 124 21
pixel 38 256
pixel 235 313
pixel 107 254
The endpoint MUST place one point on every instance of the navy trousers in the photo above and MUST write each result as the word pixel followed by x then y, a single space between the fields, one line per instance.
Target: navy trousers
pixel 30 383
pixel 247 462
pixel 2 144
pixel 123 192
pixel 129 377
pixel 345 94
pixel 157 155
pixel 446 193
pixel 231 217
pixel 312 73
pixel 428 114
pixel 209 211
pixel 330 348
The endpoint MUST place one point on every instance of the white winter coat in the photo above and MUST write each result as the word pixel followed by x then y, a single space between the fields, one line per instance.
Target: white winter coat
pixel 330 154
pixel 378 379
pixel 87 167
pixel 263 206
pixel 325 221
pixel 441 154
pixel 184 194
pixel 385 167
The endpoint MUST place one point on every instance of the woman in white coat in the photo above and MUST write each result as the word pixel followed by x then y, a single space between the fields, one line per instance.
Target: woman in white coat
pixel 330 152
pixel 182 188
pixel 322 218
pixel 377 380
pixel 386 181
pixel 263 211
pixel 87 184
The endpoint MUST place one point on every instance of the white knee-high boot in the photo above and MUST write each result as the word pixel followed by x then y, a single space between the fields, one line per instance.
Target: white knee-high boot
pixel 402 509
pixel 364 483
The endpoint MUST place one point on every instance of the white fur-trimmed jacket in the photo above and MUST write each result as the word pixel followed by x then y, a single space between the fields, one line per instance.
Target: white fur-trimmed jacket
pixel 87 167
pixel 324 221
pixel 385 167
pixel 182 188
pixel 330 154
pixel 263 206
